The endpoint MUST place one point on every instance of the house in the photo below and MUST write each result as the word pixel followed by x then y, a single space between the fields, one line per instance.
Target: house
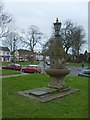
pixel 24 55
pixel 5 54
pixel 27 55
pixel 19 55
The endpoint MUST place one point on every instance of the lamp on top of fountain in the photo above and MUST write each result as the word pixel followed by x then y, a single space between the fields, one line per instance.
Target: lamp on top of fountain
pixel 57 26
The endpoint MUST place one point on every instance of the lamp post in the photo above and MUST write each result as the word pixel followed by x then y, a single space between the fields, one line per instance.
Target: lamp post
pixel 14 49
pixel 43 60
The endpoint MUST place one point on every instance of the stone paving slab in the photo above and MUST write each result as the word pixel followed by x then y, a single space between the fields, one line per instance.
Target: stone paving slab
pixel 42 91
pixel 46 94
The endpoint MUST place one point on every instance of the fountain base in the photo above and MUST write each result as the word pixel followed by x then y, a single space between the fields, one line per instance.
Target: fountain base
pixel 46 94
pixel 58 83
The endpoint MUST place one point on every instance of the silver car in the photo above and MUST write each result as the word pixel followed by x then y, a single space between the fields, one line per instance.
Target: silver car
pixel 84 73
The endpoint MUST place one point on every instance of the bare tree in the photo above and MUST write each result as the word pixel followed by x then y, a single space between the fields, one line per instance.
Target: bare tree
pixel 66 34
pixel 72 36
pixel 32 37
pixel 5 22
pixel 78 39
pixel 9 41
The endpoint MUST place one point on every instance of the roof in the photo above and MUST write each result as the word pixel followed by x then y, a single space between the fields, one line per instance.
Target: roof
pixel 4 48
pixel 32 65
pixel 23 51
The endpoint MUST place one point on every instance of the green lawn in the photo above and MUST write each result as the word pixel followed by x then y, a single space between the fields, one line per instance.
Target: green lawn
pixel 21 63
pixel 17 106
pixel 9 72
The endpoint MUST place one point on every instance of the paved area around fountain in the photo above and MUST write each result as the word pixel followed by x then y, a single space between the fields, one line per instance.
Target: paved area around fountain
pixel 46 94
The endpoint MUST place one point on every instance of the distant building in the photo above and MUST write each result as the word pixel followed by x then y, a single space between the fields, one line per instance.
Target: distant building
pixel 20 55
pixel 24 55
pixel 5 54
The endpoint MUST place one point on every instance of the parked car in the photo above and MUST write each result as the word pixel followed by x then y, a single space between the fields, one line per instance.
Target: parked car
pixel 85 73
pixel 12 67
pixel 32 69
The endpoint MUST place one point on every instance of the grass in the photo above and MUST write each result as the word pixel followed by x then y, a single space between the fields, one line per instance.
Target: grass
pixel 9 72
pixel 17 106
pixel 21 63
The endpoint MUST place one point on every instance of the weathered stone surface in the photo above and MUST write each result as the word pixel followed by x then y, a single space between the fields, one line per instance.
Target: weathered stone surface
pixel 57 72
pixel 42 91
pixel 57 77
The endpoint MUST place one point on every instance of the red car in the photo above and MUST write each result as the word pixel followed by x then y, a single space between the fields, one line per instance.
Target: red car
pixel 12 67
pixel 32 69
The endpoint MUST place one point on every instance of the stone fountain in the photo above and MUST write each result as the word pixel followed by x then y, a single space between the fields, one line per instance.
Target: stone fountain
pixel 57 70
pixel 57 87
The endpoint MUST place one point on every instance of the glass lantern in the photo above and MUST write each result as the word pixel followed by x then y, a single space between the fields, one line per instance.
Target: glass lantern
pixel 57 26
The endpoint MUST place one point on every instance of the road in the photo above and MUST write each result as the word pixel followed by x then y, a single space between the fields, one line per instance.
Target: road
pixel 73 71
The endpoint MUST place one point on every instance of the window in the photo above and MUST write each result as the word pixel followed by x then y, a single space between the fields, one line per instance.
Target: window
pixel 8 53
pixel 86 72
pixel 3 53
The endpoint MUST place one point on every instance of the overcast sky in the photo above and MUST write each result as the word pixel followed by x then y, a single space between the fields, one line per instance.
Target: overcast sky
pixel 43 14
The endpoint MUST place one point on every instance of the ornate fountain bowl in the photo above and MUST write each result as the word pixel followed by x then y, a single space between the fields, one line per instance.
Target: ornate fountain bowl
pixel 57 72
pixel 57 78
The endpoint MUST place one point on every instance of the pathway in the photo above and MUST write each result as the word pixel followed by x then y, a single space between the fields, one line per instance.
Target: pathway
pixel 13 75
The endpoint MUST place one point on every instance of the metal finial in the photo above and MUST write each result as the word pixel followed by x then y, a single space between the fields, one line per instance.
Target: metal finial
pixel 57 20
